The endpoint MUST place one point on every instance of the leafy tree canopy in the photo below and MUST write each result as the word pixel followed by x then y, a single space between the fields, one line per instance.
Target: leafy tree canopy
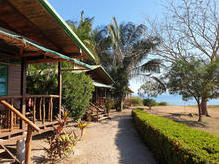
pixel 194 78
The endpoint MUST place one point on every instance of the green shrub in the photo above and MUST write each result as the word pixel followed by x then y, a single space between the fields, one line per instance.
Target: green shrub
pixel 61 144
pixel 77 93
pixel 163 103
pixel 135 101
pixel 173 142
pixel 149 102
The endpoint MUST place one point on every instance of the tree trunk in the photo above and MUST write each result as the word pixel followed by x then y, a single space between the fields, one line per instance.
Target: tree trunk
pixel 204 109
pixel 199 113
pixel 121 104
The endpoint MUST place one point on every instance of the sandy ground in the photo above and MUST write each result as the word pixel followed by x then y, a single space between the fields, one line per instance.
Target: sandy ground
pixel 189 116
pixel 109 142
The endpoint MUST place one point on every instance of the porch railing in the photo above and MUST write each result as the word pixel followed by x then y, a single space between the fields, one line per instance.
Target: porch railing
pixel 30 128
pixel 38 108
pixel 101 101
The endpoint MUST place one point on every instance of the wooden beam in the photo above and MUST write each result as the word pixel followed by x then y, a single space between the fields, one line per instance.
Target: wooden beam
pixel 66 70
pixel 21 51
pixel 35 34
pixel 13 56
pixel 44 61
pixel 29 96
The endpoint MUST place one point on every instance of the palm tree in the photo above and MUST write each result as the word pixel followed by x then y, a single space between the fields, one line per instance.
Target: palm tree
pixel 83 29
pixel 128 54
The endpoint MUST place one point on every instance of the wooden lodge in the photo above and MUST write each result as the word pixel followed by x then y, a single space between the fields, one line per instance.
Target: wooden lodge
pixel 103 84
pixel 31 32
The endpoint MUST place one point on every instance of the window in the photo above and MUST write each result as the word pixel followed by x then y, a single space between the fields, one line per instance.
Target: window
pixel 3 80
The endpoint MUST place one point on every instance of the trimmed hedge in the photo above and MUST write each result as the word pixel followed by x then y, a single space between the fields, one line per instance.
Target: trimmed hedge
pixel 173 142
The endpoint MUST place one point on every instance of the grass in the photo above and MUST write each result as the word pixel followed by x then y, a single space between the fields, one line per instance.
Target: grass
pixel 213 107
pixel 183 115
pixel 209 106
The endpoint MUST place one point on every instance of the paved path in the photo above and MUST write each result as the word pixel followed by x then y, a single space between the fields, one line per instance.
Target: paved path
pixel 111 142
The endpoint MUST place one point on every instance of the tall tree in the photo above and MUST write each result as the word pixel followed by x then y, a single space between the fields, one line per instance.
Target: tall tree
pixel 127 55
pixel 190 29
pixel 194 79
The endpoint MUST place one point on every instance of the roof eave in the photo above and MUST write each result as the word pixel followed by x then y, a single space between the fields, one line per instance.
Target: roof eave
pixel 67 29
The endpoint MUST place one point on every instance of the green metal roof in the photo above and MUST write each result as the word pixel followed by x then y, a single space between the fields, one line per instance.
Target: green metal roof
pixel 19 37
pixel 101 85
pixel 101 67
pixel 65 26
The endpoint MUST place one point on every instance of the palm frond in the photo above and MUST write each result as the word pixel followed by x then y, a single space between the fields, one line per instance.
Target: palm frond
pixel 150 66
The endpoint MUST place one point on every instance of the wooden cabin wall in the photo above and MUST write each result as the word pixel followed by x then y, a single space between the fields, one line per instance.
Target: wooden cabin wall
pixel 14 80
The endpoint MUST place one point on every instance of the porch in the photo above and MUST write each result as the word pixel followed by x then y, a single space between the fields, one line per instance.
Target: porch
pixel 40 109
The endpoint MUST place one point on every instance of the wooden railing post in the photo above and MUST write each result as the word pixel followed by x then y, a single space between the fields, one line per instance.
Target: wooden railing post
pixel 34 110
pixel 40 109
pixel 44 111
pixel 31 127
pixel 28 145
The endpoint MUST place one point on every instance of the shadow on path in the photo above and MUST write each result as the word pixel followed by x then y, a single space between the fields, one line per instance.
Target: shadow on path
pixel 131 147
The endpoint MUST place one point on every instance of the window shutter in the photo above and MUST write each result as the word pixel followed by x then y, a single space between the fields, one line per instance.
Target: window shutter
pixel 3 80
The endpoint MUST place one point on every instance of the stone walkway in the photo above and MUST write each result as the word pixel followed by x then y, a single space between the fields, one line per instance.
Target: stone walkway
pixel 111 142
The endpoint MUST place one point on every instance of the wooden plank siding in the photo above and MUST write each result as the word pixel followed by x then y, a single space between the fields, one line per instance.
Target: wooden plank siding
pixel 14 80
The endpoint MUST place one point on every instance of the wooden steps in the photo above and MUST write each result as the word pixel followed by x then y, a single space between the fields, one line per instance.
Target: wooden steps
pixel 10 138
pixel 98 113
pixel 13 157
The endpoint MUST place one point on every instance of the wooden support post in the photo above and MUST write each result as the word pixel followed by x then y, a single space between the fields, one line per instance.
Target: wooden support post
pixel 49 109
pixel 34 110
pixel 44 111
pixel 23 90
pixel 40 109
pixel 60 86
pixel 28 145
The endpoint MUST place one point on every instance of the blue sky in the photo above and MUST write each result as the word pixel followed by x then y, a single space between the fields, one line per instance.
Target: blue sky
pixel 103 11
pixel 124 10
